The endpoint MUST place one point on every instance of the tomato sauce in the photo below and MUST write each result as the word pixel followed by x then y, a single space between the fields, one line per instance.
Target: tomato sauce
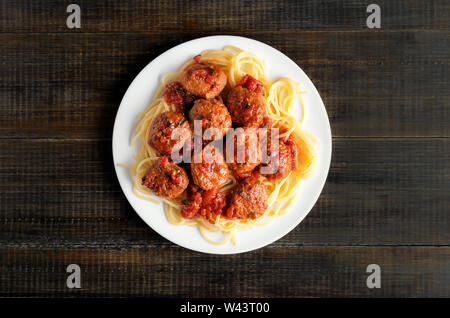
pixel 252 84
pixel 197 58
pixel 208 204
pixel 175 93
pixel 203 74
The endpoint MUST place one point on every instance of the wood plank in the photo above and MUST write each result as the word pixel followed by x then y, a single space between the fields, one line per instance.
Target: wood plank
pixel 374 84
pixel 64 194
pixel 385 202
pixel 268 272
pixel 219 16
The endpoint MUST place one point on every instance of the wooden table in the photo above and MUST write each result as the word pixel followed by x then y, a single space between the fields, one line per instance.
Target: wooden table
pixel 386 200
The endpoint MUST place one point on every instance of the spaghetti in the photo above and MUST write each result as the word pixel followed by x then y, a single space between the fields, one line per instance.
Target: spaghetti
pixel 281 97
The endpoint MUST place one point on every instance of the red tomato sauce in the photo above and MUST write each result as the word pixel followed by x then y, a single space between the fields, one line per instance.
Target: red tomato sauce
pixel 197 58
pixel 203 75
pixel 175 93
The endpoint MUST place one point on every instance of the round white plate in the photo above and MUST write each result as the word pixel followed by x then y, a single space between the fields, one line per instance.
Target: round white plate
pixel 138 97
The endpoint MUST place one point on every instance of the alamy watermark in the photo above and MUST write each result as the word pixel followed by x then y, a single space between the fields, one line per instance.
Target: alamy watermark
pixel 249 145
pixel 74 279
pixel 374 279
pixel 374 19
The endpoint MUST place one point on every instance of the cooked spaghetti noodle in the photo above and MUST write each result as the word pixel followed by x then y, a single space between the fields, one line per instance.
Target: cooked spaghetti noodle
pixel 281 97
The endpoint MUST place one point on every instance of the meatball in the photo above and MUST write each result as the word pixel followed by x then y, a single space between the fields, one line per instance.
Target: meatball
pixel 165 178
pixel 252 84
pixel 174 93
pixel 280 163
pixel 212 114
pixel 248 199
pixel 165 134
pixel 247 108
pixel 204 80
pixel 246 154
pixel 212 172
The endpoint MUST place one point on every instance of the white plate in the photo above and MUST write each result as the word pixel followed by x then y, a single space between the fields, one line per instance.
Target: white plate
pixel 138 97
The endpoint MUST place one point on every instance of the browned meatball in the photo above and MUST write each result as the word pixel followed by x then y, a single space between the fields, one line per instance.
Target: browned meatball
pixel 212 172
pixel 247 152
pixel 165 133
pixel 282 161
pixel 204 80
pixel 174 93
pixel 248 199
pixel 247 108
pixel 212 114
pixel 165 178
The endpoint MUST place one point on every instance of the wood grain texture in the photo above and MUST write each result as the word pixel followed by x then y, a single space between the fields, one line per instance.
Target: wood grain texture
pixel 219 16
pixel 374 84
pixel 64 193
pixel 385 201
pixel 269 272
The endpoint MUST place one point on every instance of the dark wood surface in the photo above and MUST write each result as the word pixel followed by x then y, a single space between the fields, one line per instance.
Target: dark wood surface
pixel 386 200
